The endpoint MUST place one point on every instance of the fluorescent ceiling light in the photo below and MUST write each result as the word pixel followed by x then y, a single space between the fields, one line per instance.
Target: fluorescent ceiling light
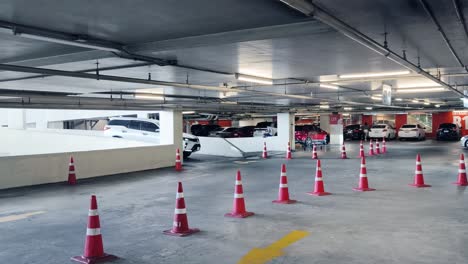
pixel 149 96
pixel 368 108
pixel 255 79
pixel 415 101
pixel 376 98
pixel 398 99
pixel 418 90
pixel 348 108
pixel 228 102
pixel 437 105
pixel 418 86
pixel 188 112
pixel 324 107
pixel 329 86
pixel 377 74
pixel 427 103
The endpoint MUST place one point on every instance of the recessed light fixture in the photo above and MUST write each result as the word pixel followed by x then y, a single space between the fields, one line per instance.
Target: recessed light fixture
pixel 255 79
pixel 329 86
pixel 376 98
pixel 427 103
pixel 188 112
pixel 376 74
pixel 368 108
pixel 398 99
pixel 418 90
pixel 415 101
pixel 437 105
pixel 324 107
pixel 348 108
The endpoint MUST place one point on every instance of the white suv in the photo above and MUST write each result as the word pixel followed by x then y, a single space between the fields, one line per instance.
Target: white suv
pixel 142 129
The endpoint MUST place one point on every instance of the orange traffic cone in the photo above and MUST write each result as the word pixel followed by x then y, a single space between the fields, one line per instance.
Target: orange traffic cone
pixel 462 181
pixel 180 226
pixel 377 146
pixel 314 152
pixel 264 153
pixel 384 146
pixel 363 183
pixel 343 152
pixel 283 192
pixel 361 150
pixel 288 153
pixel 94 249
pixel 418 175
pixel 319 189
pixel 371 148
pixel 178 162
pixel 71 172
pixel 238 210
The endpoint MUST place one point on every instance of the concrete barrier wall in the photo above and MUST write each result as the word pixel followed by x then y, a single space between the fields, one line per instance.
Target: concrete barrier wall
pixel 219 146
pixel 16 171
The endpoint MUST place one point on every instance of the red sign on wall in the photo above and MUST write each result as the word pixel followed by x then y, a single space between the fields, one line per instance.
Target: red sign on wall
pixel 335 119
pixel 461 119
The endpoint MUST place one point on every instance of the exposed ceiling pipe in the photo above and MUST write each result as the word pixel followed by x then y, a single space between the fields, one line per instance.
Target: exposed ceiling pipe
pixel 318 13
pixel 430 13
pixel 51 72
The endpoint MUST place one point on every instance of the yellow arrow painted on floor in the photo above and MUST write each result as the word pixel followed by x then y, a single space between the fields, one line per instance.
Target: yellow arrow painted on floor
pixel 264 255
pixel 19 216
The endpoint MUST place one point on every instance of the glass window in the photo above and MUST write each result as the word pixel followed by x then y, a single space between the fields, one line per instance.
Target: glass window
pixel 147 126
pixel 118 122
pixel 409 126
pixel 134 125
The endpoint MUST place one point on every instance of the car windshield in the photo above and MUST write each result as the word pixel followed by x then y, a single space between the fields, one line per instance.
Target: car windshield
pixel 447 125
pixel 408 126
pixel 378 126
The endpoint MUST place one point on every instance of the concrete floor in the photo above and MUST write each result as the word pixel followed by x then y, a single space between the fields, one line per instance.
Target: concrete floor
pixel 395 224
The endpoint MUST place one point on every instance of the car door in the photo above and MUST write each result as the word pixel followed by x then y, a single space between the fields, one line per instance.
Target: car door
pixel 149 132
pixel 133 131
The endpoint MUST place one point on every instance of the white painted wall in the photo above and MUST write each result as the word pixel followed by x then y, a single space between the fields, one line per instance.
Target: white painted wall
pixel 219 146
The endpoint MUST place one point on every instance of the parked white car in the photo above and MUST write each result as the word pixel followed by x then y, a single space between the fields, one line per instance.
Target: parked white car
pixel 464 141
pixel 412 131
pixel 142 129
pixel 382 131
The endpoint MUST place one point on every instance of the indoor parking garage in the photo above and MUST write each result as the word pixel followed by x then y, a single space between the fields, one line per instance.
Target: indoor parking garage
pixel 233 131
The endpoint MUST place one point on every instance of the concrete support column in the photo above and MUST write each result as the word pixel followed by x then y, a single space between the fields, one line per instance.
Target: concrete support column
pixel 17 118
pixel 171 128
pixel 333 124
pixel 286 125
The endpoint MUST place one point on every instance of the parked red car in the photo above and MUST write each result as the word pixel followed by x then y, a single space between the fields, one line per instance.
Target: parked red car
pixel 311 134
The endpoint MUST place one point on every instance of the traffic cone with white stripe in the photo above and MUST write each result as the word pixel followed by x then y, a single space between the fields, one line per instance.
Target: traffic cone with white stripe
pixel 363 183
pixel 462 181
pixel 178 162
pixel 238 210
pixel 361 150
pixel 180 226
pixel 371 148
pixel 343 152
pixel 384 146
pixel 283 192
pixel 418 175
pixel 319 189
pixel 314 152
pixel 71 172
pixel 377 147
pixel 288 153
pixel 94 249
pixel 264 153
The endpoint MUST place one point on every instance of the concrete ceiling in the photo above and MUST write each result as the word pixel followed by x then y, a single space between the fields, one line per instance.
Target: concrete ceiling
pixel 203 45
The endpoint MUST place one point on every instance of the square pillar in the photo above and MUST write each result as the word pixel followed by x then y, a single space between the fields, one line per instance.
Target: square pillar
pixel 333 124
pixel 286 124
pixel 17 118
pixel 171 127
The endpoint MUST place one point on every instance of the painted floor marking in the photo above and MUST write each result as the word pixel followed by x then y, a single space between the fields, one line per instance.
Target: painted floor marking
pixel 15 217
pixel 264 255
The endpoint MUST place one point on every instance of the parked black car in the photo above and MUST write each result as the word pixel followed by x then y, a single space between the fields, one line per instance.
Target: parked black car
pixel 202 130
pixel 448 131
pixel 246 131
pixel 228 132
pixel 353 132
